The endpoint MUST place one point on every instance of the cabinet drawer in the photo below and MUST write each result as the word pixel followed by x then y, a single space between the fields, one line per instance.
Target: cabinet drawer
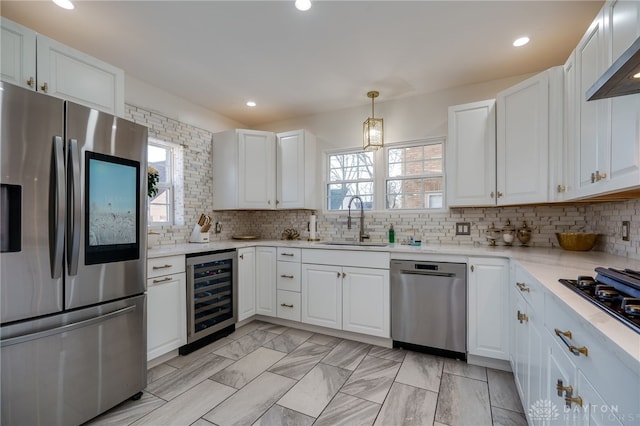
pixel 289 254
pixel 288 276
pixel 165 266
pixel 353 258
pixel 289 305
pixel 529 288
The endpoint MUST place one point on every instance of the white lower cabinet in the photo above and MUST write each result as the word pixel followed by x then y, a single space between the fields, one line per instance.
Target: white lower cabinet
pixel 289 305
pixel 322 295
pixel 527 353
pixel 488 300
pixel 365 301
pixel 266 295
pixel 352 298
pixel 289 284
pixel 166 305
pixel 246 282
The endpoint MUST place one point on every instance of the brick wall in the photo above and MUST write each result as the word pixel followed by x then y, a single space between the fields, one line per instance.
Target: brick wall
pixel 431 227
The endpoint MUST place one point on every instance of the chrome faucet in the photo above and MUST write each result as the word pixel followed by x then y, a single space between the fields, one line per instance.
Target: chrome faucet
pixel 362 235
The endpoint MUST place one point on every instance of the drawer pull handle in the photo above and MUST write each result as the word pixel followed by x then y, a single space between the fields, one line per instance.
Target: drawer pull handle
pixel 522 317
pixel 286 276
pixel 162 267
pixel 577 351
pixel 287 254
pixel 285 305
pixel 566 338
pixel 523 287
pixel 569 400
pixel 561 388
pixel 162 280
pixel 344 274
pixel 563 333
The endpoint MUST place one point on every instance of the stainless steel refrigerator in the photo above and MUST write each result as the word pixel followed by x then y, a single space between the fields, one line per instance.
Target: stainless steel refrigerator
pixel 72 259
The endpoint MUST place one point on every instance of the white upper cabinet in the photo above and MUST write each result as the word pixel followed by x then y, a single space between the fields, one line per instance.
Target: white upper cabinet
pixel 253 171
pixel 295 170
pixel 61 71
pixel 529 124
pixel 607 131
pixel 623 29
pixel 471 155
pixel 243 170
pixel 18 62
pixel 591 134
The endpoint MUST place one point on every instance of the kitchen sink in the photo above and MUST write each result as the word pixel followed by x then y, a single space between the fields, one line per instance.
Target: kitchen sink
pixel 354 243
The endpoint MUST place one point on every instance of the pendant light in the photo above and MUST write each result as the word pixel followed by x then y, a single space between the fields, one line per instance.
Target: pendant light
pixel 373 128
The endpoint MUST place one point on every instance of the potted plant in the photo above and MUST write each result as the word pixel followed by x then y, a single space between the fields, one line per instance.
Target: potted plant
pixel 153 177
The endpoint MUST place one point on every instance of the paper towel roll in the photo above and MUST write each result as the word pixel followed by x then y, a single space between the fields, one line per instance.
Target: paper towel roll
pixel 312 227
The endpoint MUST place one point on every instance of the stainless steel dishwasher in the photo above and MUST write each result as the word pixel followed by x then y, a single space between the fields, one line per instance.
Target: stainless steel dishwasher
pixel 429 307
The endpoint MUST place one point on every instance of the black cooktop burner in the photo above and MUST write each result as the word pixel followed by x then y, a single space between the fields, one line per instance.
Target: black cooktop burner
pixel 614 300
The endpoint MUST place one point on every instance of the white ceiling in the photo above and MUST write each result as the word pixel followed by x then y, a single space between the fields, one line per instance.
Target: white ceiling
pixel 219 54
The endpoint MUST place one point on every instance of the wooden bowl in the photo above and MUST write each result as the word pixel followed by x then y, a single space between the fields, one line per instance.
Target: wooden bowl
pixel 576 241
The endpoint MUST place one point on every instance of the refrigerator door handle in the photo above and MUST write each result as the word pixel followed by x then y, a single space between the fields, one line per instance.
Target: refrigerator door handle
pixel 56 224
pixel 73 192
pixel 66 328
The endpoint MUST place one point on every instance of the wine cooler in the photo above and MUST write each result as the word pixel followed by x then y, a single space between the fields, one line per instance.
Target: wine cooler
pixel 212 305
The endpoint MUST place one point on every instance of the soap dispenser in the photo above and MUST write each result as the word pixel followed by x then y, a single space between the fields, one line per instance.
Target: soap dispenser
pixel 392 234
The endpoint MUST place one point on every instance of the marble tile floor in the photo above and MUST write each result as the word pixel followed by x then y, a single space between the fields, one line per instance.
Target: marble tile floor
pixel 270 375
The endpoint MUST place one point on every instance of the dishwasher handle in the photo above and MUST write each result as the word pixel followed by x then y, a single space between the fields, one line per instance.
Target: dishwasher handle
pixel 430 273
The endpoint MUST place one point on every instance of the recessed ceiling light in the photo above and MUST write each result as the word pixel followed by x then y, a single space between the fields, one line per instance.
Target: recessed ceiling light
pixel 636 75
pixel 303 4
pixel 65 4
pixel 521 41
pixel 251 104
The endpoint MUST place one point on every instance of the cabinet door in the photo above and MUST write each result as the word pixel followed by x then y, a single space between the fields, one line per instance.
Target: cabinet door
pixel 523 142
pixel 69 74
pixel 561 374
pixel 365 301
pixel 595 410
pixel 624 29
pixel 520 347
pixel 18 54
pixel 488 301
pixel 566 175
pixel 246 282
pixel 266 281
pixel 322 295
pixel 592 117
pixel 471 154
pixel 290 170
pixel 166 314
pixel 256 170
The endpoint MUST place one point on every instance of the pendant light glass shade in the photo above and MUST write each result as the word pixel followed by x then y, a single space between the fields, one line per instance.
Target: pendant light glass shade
pixel 373 129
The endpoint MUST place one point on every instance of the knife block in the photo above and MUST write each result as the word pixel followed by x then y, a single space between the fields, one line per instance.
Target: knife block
pixel 197 236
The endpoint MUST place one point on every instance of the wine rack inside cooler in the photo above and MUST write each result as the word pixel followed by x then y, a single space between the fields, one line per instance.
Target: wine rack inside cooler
pixel 212 289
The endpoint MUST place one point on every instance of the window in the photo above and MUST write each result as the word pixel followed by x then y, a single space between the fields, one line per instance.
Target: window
pixel 350 173
pixel 160 156
pixel 415 176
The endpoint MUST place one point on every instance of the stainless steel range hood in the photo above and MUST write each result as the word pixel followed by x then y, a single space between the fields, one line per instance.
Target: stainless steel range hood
pixel 618 79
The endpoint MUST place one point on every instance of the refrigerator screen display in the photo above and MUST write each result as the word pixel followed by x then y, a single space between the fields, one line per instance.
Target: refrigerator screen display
pixel 112 217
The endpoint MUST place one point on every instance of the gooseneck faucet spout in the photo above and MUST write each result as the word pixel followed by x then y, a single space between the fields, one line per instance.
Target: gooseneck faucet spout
pixel 362 236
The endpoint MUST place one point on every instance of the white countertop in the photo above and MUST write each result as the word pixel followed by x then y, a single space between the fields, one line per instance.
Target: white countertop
pixel 547 265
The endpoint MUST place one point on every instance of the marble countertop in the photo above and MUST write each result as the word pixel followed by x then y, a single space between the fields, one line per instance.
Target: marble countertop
pixel 547 265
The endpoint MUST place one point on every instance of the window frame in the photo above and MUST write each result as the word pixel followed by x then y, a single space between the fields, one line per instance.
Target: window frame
pixel 409 144
pixel 327 174
pixel 380 175
pixel 171 174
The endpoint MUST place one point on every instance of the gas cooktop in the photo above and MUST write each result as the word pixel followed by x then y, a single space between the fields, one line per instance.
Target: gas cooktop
pixel 615 291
